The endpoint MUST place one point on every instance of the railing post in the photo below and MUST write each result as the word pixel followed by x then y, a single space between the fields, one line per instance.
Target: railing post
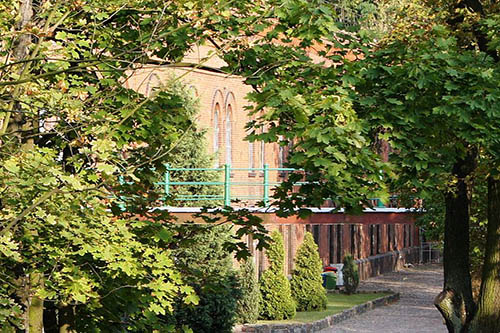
pixel 266 184
pixel 227 185
pixel 167 181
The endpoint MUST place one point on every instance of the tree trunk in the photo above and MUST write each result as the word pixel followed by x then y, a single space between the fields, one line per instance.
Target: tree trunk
pixel 455 302
pixel 487 318
pixel 35 307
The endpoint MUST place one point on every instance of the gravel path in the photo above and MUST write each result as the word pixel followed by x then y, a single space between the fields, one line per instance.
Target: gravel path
pixel 414 312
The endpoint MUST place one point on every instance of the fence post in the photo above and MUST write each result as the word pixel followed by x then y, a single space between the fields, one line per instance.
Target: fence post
pixel 167 180
pixel 266 184
pixel 227 185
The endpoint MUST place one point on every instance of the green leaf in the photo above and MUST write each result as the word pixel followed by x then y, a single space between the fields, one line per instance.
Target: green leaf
pixel 60 35
pixel 165 235
pixel 11 166
pixel 394 101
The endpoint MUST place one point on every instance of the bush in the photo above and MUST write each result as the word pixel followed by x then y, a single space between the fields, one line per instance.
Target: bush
pixel 209 270
pixel 276 301
pixel 248 305
pixel 350 274
pixel 307 288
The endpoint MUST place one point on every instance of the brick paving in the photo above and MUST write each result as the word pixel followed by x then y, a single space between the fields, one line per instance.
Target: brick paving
pixel 414 312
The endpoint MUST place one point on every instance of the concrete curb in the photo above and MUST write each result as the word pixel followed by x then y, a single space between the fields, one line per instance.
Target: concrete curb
pixel 318 325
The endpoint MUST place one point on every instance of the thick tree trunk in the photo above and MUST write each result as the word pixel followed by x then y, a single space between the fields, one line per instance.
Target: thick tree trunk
pixel 487 318
pixel 35 305
pixel 455 302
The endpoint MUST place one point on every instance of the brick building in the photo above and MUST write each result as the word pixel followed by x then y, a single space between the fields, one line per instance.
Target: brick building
pixel 380 240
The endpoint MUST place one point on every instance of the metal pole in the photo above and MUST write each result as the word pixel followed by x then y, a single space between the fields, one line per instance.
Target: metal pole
pixel 227 185
pixel 266 184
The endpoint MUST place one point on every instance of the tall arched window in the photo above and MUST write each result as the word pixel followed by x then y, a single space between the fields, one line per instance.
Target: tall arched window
pixel 216 133
pixel 218 121
pixel 229 148
pixel 251 160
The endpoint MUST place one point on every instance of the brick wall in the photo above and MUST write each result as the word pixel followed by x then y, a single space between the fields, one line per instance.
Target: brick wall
pixel 387 259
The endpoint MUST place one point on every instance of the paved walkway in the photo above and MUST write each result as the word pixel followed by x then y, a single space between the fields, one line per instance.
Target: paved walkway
pixel 414 312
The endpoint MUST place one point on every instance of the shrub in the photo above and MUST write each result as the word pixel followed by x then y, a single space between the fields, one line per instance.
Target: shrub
pixel 209 270
pixel 248 305
pixel 307 288
pixel 276 301
pixel 350 274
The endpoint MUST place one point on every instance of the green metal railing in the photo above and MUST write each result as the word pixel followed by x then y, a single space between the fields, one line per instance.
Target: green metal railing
pixel 227 183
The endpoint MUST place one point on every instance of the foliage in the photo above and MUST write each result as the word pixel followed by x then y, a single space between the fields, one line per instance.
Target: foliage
pixel 207 267
pixel 373 19
pixel 350 274
pixel 306 283
pixel 435 59
pixel 62 89
pixel 305 103
pixel 430 89
pixel 82 252
pixel 80 155
pixel 248 305
pixel 276 301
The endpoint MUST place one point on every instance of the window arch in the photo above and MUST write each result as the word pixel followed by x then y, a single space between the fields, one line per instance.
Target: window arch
pixel 217 120
pixel 216 128
pixel 228 128
pixel 251 149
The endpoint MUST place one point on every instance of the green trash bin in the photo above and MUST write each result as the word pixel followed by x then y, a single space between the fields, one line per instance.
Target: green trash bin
pixel 330 280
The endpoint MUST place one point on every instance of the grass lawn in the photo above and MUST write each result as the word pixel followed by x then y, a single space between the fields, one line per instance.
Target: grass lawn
pixel 336 303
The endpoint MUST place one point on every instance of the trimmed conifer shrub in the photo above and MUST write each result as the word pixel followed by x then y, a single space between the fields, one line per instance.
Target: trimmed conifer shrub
pixel 276 298
pixel 350 274
pixel 208 268
pixel 248 305
pixel 307 283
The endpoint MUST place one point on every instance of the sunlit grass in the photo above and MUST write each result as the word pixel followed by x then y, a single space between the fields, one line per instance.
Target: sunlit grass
pixel 336 303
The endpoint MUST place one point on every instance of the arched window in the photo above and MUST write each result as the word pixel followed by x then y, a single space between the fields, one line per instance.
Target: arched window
pixel 251 159
pixel 229 148
pixel 216 133
pixel 218 119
